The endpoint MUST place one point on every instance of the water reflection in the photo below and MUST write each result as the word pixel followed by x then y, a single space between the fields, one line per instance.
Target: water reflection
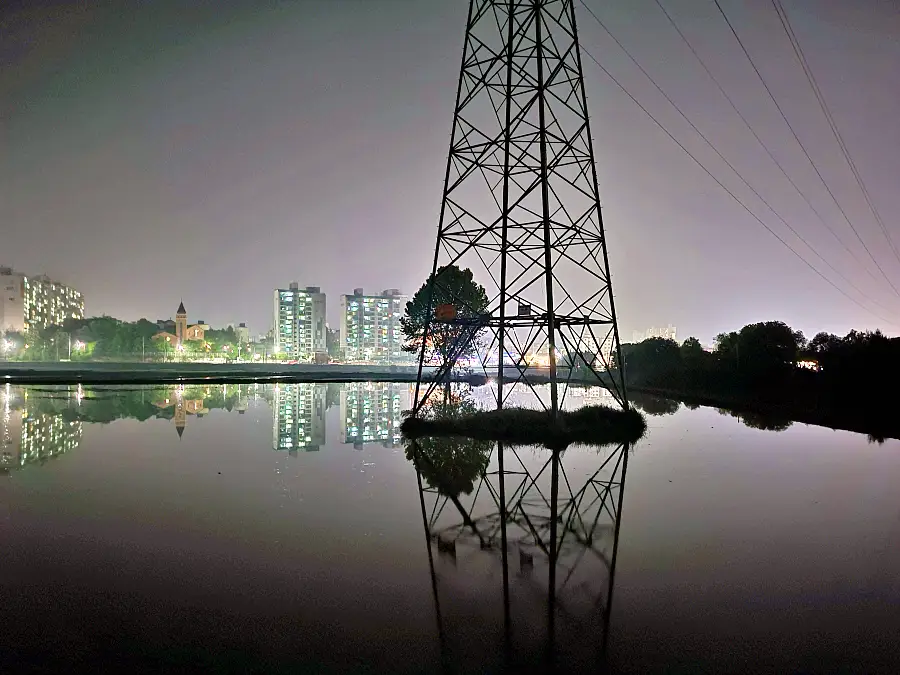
pixel 298 417
pixel 654 405
pixel 31 435
pixel 371 412
pixel 43 422
pixel 550 532
pixel 762 421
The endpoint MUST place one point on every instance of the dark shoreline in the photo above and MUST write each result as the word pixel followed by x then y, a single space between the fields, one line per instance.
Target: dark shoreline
pixel 110 373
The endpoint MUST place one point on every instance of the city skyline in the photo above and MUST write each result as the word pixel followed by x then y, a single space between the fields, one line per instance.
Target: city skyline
pixel 207 149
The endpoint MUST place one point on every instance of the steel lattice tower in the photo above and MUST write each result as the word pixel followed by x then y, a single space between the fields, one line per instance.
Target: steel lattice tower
pixel 521 207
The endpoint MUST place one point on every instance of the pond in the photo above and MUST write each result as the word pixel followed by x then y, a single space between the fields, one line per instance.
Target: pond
pixel 263 528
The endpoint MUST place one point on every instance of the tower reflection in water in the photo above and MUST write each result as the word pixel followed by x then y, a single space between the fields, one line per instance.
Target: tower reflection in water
pixel 539 526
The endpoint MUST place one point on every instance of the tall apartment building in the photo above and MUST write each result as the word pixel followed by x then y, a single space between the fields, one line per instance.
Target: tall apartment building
pixel 31 303
pixel 370 326
pixel 299 325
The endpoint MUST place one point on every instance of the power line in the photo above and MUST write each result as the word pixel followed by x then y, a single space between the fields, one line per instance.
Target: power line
pixel 736 172
pixel 801 57
pixel 802 146
pixel 763 145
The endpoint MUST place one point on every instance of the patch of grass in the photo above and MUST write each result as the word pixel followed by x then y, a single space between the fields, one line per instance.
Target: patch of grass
pixel 590 425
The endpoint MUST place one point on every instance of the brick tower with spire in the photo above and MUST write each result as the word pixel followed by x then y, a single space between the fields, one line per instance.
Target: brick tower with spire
pixel 180 324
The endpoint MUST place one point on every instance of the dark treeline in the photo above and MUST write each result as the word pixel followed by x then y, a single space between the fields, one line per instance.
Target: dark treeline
pixel 772 369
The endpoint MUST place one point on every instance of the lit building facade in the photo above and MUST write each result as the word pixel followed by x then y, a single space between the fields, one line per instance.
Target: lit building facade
pixel 371 412
pixel 370 326
pixel 299 322
pixel 298 417
pixel 32 303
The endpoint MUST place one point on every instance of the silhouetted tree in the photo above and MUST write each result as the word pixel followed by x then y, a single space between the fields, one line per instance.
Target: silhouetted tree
pixel 452 286
pixel 651 358
pixel 769 346
pixel 692 352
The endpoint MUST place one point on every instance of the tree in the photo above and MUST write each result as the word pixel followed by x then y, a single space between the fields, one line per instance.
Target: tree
pixel 451 286
pixel 727 349
pixel 692 351
pixel 651 357
pixel 333 342
pixel 769 346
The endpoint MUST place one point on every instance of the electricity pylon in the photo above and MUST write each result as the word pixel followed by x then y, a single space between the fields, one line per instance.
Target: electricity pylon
pixel 521 209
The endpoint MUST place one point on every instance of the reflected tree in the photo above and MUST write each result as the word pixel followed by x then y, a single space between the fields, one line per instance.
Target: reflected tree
pixel 760 421
pixel 765 422
pixel 654 405
pixel 450 465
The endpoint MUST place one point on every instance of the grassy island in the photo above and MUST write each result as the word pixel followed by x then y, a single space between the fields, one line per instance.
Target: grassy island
pixel 591 425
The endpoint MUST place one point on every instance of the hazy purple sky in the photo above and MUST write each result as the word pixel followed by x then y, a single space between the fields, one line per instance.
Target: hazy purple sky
pixel 215 150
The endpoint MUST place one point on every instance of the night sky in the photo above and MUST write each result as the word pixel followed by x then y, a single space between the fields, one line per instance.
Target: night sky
pixel 213 151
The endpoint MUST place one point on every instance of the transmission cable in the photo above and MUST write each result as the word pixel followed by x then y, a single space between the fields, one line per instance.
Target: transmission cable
pixel 763 145
pixel 733 169
pixel 801 58
pixel 803 147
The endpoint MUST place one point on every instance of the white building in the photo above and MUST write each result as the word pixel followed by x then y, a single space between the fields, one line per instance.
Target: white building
pixel 31 303
pixel 370 326
pixel 668 333
pixel 299 322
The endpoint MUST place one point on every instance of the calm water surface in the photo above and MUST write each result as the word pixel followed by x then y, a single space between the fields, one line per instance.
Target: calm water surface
pixel 260 529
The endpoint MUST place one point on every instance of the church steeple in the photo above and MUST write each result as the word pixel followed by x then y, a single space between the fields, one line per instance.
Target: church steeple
pixel 180 323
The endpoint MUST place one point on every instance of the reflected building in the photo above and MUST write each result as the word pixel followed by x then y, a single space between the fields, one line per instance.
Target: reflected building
pixel 32 437
pixel 47 436
pixel 181 406
pixel 298 417
pixel 371 412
